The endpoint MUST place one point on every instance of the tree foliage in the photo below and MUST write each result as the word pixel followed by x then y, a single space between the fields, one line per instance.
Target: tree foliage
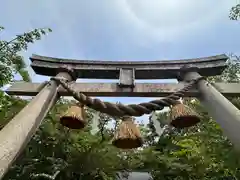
pixel 235 12
pixel 11 62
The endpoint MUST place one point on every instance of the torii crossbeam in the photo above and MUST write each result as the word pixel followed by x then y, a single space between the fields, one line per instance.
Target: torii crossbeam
pixel 17 133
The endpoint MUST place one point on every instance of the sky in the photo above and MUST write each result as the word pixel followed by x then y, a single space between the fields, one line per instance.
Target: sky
pixel 123 30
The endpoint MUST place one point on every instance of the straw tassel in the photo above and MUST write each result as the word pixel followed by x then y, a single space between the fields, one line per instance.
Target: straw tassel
pixel 128 135
pixel 183 116
pixel 75 117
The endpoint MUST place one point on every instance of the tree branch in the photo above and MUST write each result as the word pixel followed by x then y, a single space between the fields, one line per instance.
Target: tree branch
pixel 43 175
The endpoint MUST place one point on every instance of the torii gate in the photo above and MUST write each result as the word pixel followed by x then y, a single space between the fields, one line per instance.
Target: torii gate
pixel 17 133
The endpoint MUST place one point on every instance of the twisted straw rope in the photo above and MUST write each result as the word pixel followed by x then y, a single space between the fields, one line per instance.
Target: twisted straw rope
pixel 126 110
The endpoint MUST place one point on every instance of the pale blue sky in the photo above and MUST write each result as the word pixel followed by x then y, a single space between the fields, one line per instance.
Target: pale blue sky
pixel 124 29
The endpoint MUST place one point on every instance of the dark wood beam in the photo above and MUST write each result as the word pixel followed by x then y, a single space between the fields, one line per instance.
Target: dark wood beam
pixel 206 66
pixel 113 90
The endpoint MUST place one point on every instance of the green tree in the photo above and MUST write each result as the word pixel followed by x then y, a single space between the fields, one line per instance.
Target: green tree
pixel 235 12
pixel 72 154
pixel 11 62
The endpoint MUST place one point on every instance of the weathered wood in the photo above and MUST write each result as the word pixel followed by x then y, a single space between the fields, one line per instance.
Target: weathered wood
pixel 112 89
pixel 126 78
pixel 18 132
pixel 208 66
pixel 220 108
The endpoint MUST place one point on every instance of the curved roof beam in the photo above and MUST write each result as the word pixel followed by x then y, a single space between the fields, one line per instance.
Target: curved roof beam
pixel 207 66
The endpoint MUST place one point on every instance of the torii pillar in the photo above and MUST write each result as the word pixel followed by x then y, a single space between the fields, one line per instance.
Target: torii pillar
pixel 219 107
pixel 17 133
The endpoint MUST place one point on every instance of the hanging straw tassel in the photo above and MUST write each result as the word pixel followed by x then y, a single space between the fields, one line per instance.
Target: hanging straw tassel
pixel 128 135
pixel 183 116
pixel 75 117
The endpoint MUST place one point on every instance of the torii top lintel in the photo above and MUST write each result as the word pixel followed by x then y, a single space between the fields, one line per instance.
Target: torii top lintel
pixel 207 66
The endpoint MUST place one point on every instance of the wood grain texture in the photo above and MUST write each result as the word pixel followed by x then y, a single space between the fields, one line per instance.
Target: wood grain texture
pixel 112 89
pixel 220 108
pixel 18 132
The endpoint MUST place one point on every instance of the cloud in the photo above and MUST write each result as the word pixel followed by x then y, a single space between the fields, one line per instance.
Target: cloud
pixel 87 29
pixel 169 20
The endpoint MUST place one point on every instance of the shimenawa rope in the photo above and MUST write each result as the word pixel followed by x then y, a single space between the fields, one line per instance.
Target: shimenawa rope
pixel 126 110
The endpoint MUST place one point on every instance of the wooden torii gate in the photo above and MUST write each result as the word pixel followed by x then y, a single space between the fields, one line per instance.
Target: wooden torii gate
pixel 17 133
